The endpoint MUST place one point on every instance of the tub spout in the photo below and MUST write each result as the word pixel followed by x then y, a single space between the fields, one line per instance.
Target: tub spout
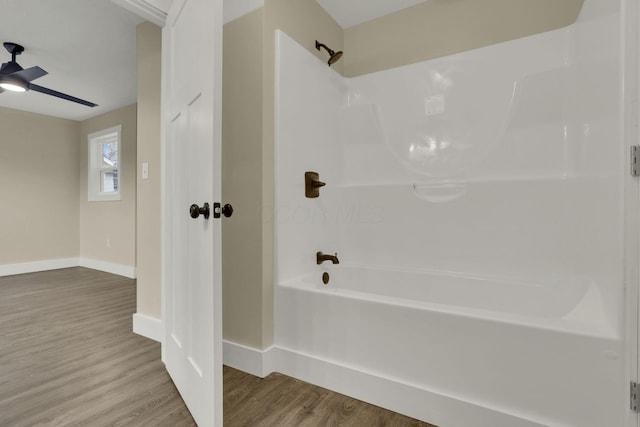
pixel 320 258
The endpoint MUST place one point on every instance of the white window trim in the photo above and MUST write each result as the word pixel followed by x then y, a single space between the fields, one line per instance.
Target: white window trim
pixel 93 166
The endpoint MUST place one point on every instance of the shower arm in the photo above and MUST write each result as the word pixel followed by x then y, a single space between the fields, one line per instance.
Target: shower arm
pixel 333 55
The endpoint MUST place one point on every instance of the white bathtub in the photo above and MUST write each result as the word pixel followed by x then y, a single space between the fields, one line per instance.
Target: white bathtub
pixel 522 350
pixel 571 304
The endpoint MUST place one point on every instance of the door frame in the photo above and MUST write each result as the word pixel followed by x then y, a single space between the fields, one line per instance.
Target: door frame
pixel 630 57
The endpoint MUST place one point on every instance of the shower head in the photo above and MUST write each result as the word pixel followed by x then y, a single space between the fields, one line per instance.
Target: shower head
pixel 333 55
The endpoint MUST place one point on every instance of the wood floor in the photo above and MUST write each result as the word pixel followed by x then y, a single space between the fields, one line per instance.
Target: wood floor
pixel 278 400
pixel 68 358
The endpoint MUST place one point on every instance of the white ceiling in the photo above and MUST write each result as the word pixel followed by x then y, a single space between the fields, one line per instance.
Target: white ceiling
pixel 87 46
pixel 348 13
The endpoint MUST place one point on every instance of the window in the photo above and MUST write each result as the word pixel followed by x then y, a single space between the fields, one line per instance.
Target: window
pixel 104 165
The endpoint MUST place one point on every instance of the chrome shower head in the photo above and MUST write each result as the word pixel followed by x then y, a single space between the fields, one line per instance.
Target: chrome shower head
pixel 333 55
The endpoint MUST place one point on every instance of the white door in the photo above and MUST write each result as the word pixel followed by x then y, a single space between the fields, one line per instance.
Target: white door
pixel 192 345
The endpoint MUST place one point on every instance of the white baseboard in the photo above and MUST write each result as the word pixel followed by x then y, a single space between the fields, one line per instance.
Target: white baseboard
pixel 247 359
pixel 56 264
pixel 391 393
pixel 33 266
pixel 147 326
pixel 108 267
pixel 399 396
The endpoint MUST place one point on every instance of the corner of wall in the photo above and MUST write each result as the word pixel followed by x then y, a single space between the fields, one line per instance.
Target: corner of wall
pixel 148 190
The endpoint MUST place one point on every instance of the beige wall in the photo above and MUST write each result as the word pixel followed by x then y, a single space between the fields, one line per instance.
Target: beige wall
pixel 108 229
pixel 148 222
pixel 444 27
pixel 242 291
pixel 39 182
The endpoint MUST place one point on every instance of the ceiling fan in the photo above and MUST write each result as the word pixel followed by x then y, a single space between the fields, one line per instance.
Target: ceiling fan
pixel 15 78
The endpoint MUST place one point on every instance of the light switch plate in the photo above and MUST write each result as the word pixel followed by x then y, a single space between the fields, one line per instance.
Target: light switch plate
pixel 145 170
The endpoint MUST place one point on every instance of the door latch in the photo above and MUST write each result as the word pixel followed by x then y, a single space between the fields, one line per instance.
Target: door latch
pixel 226 210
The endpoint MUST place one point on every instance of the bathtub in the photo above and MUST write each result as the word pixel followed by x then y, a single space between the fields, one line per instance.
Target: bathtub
pixel 570 305
pixel 473 341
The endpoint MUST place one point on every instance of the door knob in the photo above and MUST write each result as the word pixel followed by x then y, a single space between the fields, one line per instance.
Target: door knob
pixel 195 211
pixel 226 210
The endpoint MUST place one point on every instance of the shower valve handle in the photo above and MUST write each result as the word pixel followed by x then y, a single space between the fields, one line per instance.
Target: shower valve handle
pixel 312 184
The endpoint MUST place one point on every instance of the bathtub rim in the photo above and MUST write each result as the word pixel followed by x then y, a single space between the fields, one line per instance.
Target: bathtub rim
pixel 573 323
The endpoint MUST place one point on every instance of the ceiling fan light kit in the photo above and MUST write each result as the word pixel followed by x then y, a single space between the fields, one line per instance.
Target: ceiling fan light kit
pixel 17 79
pixel 14 85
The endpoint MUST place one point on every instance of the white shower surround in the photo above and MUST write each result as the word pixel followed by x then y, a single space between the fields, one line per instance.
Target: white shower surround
pixel 481 280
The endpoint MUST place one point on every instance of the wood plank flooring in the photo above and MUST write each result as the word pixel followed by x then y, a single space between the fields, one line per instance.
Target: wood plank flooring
pixel 278 400
pixel 68 357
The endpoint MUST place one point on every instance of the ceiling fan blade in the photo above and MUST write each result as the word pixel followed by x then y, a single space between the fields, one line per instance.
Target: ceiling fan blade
pixel 61 95
pixel 1 90
pixel 30 74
